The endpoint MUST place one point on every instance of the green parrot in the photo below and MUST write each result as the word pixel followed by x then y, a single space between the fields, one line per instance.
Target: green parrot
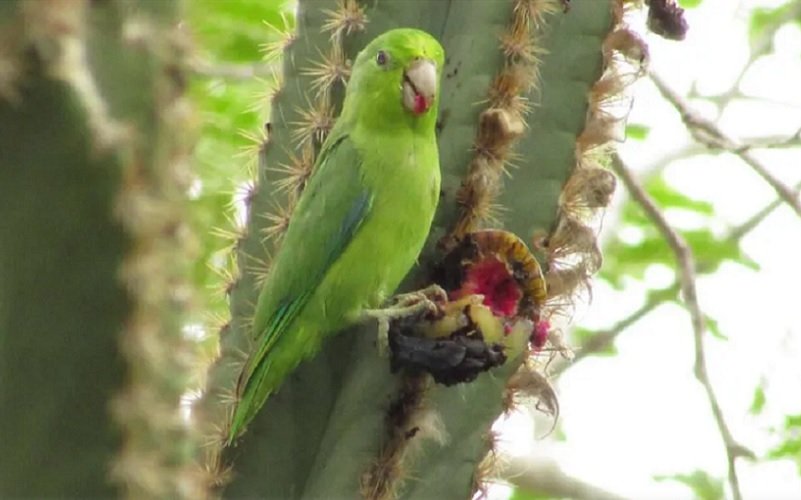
pixel 361 222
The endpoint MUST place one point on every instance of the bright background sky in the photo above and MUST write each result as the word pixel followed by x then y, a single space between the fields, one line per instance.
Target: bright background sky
pixel 641 413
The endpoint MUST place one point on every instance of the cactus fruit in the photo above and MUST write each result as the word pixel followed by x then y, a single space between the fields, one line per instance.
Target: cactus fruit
pixel 497 291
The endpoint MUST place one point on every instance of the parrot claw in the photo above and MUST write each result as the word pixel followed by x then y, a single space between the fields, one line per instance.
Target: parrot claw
pixel 432 293
pixel 382 341
pixel 416 303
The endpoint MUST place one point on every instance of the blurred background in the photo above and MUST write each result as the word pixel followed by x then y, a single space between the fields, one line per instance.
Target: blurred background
pixel 713 132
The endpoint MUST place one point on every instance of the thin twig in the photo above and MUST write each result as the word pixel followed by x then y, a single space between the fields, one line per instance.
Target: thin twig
pixel 686 278
pixel 708 133
pixel 739 231
pixel 602 340
pixel 544 476
pixel 772 142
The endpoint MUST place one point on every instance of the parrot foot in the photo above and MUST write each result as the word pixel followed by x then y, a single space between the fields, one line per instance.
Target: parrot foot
pixel 405 305
pixel 432 293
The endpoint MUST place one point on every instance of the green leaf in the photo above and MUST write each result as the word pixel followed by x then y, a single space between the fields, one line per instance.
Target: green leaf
pixel 714 328
pixel 689 4
pixel 233 30
pixel 758 401
pixel 588 338
pixel 668 197
pixel 630 260
pixel 624 260
pixel 523 494
pixel 712 251
pixel 791 446
pixel 765 19
pixel 792 422
pixel 637 132
pixel 705 486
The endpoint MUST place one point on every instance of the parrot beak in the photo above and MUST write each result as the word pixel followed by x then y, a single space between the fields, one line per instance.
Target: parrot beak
pixel 419 86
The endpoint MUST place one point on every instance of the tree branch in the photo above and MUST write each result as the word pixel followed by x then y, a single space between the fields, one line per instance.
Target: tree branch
pixel 708 133
pixel 739 231
pixel 544 476
pixel 686 278
pixel 773 142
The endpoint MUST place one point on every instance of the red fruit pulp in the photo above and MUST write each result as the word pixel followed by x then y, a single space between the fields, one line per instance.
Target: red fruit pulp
pixel 491 278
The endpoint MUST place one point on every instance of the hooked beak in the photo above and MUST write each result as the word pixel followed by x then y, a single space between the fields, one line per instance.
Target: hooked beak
pixel 419 86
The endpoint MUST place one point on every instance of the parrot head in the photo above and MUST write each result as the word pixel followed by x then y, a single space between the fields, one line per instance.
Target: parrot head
pixel 396 78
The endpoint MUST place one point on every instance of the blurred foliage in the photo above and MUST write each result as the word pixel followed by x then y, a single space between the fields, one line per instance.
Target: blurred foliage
pixel 231 111
pixel 758 402
pixel 630 259
pixel 765 20
pixel 233 30
pixel 704 486
pixel 523 494
pixel 637 131
pixel 790 444
pixel 713 327
pixel 689 4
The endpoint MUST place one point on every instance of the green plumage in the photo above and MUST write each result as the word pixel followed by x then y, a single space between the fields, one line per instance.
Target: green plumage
pixel 361 221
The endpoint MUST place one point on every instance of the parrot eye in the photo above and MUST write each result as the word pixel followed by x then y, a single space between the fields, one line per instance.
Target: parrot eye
pixel 381 58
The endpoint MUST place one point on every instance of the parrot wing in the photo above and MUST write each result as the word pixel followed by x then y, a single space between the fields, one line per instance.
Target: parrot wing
pixel 329 213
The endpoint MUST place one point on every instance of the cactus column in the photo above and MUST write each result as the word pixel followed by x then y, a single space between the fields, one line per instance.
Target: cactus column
pixel 93 252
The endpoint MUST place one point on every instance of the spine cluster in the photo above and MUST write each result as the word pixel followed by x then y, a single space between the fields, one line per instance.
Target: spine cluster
pixel 571 247
pixel 504 119
pixel 406 420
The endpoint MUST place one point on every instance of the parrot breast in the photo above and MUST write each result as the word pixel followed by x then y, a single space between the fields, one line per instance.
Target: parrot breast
pixel 404 178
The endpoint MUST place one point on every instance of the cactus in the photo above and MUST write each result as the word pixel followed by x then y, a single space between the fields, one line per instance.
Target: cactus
pixel 525 94
pixel 94 252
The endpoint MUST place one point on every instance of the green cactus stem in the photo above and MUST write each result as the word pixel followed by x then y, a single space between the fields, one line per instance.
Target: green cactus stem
pixel 93 252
